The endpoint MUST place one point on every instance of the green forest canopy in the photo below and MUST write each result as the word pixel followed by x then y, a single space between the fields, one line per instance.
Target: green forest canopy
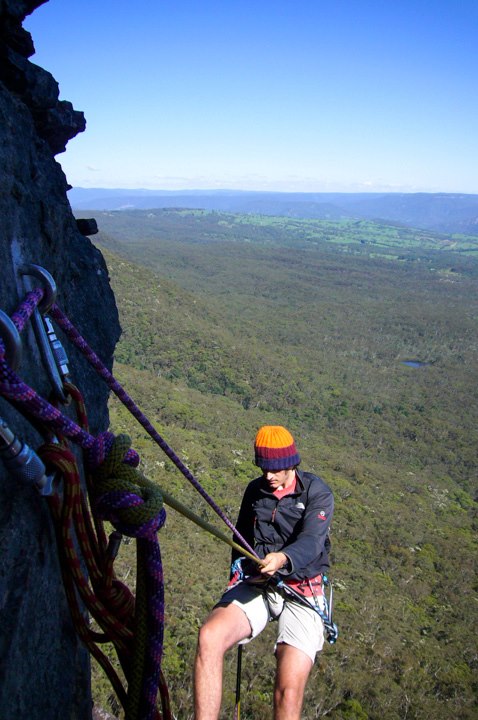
pixel 230 322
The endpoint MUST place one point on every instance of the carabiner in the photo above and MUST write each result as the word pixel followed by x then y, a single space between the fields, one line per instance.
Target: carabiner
pixel 48 283
pixel 12 341
pixel 42 327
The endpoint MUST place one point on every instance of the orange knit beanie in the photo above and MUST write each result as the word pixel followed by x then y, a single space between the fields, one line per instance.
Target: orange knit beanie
pixel 275 448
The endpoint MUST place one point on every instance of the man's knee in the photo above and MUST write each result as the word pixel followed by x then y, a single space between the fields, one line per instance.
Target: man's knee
pixel 288 702
pixel 289 695
pixel 210 637
pixel 293 668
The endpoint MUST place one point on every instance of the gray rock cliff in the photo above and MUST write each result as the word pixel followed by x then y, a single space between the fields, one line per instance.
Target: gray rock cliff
pixel 44 670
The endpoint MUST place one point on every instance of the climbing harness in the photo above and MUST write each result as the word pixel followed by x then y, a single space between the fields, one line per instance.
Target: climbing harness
pixel 238 575
pixel 116 491
pixel 331 629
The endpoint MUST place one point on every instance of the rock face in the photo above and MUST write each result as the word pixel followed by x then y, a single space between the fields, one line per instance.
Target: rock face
pixel 44 669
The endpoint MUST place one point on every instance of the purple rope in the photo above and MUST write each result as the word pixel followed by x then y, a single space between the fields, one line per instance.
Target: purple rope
pixel 18 392
pixel 107 506
pixel 155 629
pixel 21 316
pixel 25 398
pixel 13 389
pixel 75 337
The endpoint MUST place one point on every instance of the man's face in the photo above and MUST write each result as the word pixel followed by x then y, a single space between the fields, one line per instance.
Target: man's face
pixel 278 478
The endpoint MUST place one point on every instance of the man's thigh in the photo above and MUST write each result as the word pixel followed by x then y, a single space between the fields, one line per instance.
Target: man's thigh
pixel 251 601
pixel 225 626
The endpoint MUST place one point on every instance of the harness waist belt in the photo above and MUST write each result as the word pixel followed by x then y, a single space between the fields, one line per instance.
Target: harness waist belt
pixel 308 587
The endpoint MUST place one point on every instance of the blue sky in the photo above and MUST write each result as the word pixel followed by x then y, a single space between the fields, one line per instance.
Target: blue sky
pixel 296 95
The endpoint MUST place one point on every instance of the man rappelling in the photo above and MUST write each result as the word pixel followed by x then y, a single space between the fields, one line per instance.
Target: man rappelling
pixel 285 515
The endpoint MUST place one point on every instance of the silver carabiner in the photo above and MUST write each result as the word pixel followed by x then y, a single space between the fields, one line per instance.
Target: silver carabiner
pixel 12 341
pixel 48 284
pixel 41 331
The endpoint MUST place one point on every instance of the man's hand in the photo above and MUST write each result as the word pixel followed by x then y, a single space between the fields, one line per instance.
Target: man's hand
pixel 273 562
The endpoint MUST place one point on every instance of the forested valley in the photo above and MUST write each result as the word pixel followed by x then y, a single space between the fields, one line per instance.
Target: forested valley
pixel 361 339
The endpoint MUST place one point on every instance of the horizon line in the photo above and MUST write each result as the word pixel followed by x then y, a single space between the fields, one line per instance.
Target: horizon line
pixel 275 192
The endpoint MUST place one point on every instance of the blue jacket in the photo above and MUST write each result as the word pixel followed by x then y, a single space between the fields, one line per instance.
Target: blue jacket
pixel 296 524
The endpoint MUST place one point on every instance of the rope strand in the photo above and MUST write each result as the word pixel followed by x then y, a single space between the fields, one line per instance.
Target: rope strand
pixel 24 312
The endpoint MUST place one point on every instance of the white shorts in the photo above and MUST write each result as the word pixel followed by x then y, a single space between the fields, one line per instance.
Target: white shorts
pixel 299 625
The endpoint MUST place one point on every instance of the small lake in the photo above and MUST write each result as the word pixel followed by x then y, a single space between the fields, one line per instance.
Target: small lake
pixel 414 363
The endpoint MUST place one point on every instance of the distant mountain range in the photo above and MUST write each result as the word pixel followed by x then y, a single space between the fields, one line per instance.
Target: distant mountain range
pixel 441 212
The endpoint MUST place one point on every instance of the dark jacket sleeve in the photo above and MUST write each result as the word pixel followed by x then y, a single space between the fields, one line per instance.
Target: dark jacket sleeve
pixel 245 522
pixel 311 541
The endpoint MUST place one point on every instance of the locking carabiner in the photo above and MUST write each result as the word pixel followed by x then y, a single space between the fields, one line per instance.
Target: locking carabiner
pixel 22 462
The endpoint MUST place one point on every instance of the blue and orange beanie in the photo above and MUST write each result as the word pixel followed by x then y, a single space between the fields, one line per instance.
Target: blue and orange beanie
pixel 275 448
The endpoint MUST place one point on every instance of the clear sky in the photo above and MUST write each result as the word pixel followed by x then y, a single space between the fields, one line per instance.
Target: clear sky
pixel 296 95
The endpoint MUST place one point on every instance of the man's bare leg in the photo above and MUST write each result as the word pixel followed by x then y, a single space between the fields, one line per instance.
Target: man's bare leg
pixel 293 669
pixel 225 626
